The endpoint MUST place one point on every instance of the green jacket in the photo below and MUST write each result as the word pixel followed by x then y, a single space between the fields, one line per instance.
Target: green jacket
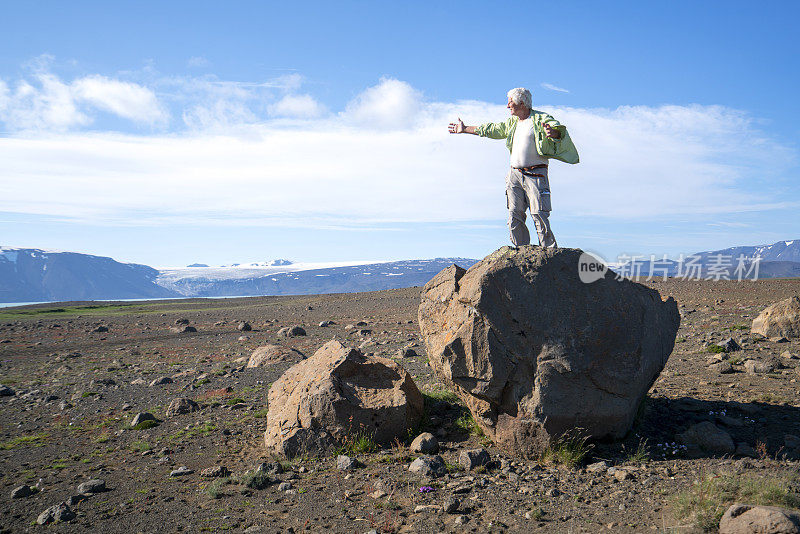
pixel 561 149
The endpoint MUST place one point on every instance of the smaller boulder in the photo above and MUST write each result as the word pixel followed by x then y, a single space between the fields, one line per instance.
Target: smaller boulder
pixel 708 437
pixel 730 345
pixel 429 466
pixel 161 381
pixel 20 492
pixel 6 391
pixel 142 417
pixel 472 458
pixel 57 512
pixel 181 405
pixel 346 463
pixel 244 326
pixel 217 471
pixel 749 519
pixel 90 487
pixel 781 319
pixel 758 367
pixel 425 443
pixel 270 354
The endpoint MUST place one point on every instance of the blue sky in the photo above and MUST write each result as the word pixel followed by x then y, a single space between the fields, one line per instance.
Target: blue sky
pixel 180 132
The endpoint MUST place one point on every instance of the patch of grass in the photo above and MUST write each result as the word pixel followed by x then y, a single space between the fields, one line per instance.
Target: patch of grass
pixel 214 489
pixel 440 395
pixel 234 400
pixel 537 514
pixel 261 414
pixel 466 424
pixel 706 501
pixel 359 442
pixel 200 430
pixel 569 450
pixel 739 327
pixel 714 349
pixel 59 463
pixel 88 394
pixel 453 468
pixel 202 381
pixel 34 440
pixel 256 480
pixel 640 456
pixel 102 438
pixel 141 446
pixel 144 425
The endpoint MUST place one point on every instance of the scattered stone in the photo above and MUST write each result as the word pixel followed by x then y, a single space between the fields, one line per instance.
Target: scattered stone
pixel 316 403
pixel 292 331
pixel 779 339
pixel 181 321
pixel 472 458
pixel 347 463
pixel 100 329
pixel 181 405
pixel 378 494
pixel 73 500
pixel 749 519
pixel 724 367
pixel 182 329
pixel 708 437
pixel 407 352
pixel 451 505
pixel 429 466
pixel 781 319
pixel 56 513
pixel 142 417
pixel 425 443
pixel 161 381
pixel 181 471
pixel 758 367
pixel 552 492
pixel 788 355
pixel 597 467
pixel 522 320
pixel 269 354
pixel 429 508
pixel 20 492
pixel 623 474
pixel 90 487
pixel 461 520
pixel 325 324
pixel 274 468
pixel 243 338
pixel 6 391
pixel 730 345
pixel 283 486
pixel 244 326
pixel 217 471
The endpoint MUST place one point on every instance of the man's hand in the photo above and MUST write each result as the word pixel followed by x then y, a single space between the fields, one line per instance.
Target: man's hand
pixel 552 133
pixel 457 127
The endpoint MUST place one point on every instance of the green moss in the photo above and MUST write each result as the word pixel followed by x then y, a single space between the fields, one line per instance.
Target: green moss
pixel 35 440
pixel 144 425
pixel 714 349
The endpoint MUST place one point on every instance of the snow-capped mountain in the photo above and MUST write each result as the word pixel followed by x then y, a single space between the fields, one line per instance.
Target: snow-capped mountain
pixel 29 274
pixel 303 278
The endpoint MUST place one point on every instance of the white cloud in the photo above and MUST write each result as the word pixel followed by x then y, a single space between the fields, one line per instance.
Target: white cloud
pixel 387 158
pixel 124 99
pixel 552 87
pixel 391 104
pixel 198 62
pixel 297 106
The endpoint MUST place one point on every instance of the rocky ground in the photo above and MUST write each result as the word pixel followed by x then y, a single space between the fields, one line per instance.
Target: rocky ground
pixel 76 375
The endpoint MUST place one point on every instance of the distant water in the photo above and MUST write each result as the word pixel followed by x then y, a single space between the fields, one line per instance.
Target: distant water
pixel 12 304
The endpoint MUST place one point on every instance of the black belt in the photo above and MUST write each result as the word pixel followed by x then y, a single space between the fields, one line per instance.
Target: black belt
pixel 527 171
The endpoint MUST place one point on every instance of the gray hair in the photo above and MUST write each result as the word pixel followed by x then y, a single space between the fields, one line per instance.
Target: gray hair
pixel 520 95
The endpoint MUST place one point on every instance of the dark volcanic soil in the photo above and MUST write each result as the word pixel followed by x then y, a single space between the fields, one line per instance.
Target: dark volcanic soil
pixel 77 390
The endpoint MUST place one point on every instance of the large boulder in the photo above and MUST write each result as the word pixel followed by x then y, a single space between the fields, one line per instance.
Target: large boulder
pixel 782 319
pixel 535 352
pixel 321 401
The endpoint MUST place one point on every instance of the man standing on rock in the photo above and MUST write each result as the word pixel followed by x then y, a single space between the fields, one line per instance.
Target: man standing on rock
pixel 533 137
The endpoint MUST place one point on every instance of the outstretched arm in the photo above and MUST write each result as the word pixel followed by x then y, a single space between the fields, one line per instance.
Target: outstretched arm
pixel 460 127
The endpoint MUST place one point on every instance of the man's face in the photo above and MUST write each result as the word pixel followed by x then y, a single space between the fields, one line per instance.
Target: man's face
pixel 516 109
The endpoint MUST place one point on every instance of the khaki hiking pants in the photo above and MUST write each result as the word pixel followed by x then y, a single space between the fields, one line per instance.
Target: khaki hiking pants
pixel 523 192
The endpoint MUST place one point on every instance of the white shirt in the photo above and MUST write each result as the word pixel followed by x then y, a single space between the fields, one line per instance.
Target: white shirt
pixel 523 146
